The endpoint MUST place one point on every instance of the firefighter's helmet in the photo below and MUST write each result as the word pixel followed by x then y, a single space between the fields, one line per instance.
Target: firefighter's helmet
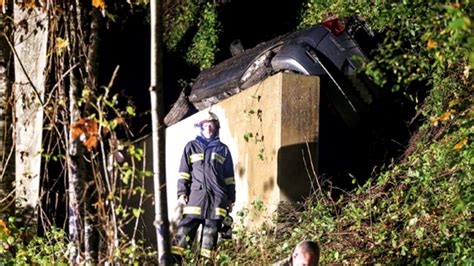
pixel 207 117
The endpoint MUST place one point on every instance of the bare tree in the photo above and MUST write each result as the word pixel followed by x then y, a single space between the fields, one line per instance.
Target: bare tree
pixel 7 176
pixel 84 53
pixel 30 46
pixel 75 164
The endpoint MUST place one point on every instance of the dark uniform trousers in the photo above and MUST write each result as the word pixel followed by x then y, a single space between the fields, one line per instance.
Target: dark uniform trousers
pixel 187 233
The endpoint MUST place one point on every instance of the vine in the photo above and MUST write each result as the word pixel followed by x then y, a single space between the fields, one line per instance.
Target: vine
pixel 257 136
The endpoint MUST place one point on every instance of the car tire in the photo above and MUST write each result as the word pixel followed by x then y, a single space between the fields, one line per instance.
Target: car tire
pixel 258 70
pixel 181 109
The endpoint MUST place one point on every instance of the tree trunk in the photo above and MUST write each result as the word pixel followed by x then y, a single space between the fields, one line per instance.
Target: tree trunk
pixel 91 230
pixel 74 186
pixel 7 175
pixel 158 134
pixel 30 46
pixel 85 43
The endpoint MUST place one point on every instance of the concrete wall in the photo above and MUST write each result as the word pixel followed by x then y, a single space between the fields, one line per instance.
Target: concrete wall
pixel 268 129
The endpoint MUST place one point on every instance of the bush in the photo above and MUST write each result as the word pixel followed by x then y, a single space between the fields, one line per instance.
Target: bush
pixel 418 208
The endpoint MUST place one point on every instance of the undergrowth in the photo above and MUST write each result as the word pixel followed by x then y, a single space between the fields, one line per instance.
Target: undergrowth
pixel 418 208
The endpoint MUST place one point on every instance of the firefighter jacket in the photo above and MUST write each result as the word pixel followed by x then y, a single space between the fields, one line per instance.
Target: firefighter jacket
pixel 206 176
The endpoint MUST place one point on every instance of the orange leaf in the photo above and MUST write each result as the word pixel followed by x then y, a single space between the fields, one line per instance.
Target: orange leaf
pixel 61 44
pixel 87 127
pixel 431 44
pixel 75 132
pixel 99 204
pixel 99 4
pixel 78 128
pixel 91 127
pixel 2 223
pixel 3 227
pixel 91 142
pixel 460 144
pixel 119 120
pixel 445 116
pixel 29 4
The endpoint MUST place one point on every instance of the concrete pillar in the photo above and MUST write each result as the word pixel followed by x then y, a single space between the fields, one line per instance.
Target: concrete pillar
pixel 269 129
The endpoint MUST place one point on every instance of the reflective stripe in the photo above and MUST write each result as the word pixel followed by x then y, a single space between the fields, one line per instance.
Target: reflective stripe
pixel 221 212
pixel 177 250
pixel 217 157
pixel 229 180
pixel 184 175
pixel 206 253
pixel 196 157
pixel 192 210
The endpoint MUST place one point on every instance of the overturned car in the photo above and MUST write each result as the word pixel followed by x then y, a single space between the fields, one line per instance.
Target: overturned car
pixel 333 50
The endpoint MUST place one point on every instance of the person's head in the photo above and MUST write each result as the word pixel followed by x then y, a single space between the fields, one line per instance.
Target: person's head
pixel 305 253
pixel 209 125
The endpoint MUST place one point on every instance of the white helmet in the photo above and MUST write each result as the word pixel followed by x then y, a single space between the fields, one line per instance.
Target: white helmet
pixel 207 117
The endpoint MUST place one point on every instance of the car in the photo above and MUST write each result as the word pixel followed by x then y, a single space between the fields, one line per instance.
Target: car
pixel 334 50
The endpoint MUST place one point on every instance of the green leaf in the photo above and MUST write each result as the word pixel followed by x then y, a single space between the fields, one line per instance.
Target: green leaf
pixel 420 232
pixel 456 24
pixel 136 212
pixel 86 93
pixel 413 173
pixel 248 136
pixel 131 110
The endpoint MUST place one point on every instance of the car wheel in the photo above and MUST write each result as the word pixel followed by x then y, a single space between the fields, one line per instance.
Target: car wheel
pixel 181 109
pixel 258 70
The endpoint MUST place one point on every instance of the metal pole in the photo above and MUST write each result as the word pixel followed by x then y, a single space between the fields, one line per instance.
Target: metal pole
pixel 158 136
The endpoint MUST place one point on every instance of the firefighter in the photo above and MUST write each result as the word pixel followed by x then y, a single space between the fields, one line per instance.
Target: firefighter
pixel 206 186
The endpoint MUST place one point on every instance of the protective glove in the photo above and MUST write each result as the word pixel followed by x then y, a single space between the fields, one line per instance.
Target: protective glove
pixel 183 199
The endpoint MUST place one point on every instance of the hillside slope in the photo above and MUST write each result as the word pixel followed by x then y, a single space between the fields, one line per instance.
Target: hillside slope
pixel 418 208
